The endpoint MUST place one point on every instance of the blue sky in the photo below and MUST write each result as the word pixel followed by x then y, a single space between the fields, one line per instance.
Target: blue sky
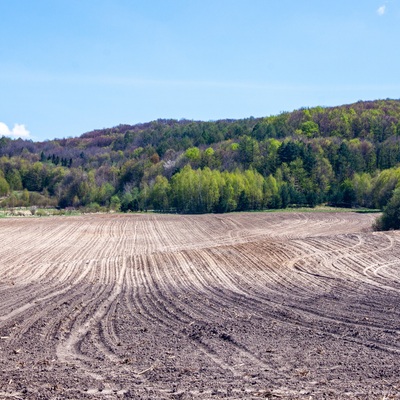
pixel 70 66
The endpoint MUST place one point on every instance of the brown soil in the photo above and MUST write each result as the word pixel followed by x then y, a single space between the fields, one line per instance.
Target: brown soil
pixel 251 305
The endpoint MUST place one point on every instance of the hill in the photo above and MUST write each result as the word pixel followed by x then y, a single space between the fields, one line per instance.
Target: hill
pixel 346 155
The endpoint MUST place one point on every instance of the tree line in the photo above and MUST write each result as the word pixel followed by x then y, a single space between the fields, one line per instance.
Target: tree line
pixel 346 156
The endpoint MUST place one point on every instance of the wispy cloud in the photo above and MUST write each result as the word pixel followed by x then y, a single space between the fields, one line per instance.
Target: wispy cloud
pixel 381 10
pixel 19 131
pixel 179 84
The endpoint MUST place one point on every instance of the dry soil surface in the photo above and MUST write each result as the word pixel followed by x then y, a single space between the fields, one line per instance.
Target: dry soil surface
pixel 250 305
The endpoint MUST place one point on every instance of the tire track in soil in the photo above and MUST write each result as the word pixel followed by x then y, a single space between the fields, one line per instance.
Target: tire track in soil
pixel 153 312
pixel 175 317
pixel 68 350
pixel 310 312
pixel 94 339
pixel 295 305
pixel 135 303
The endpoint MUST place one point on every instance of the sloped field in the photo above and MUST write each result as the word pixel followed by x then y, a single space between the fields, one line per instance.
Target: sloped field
pixel 250 305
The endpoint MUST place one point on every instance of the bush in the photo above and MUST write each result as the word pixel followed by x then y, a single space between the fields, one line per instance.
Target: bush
pixel 39 213
pixel 390 218
pixel 93 208
pixel 115 203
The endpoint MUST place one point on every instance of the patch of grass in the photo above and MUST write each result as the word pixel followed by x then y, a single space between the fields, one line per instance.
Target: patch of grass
pixel 36 212
pixel 325 209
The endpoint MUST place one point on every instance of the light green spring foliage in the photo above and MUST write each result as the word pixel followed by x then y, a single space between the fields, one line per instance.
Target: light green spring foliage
pixel 193 153
pixel 4 187
pixel 345 156
pixel 206 190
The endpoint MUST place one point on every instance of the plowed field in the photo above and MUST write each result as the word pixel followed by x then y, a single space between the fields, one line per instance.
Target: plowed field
pixel 250 305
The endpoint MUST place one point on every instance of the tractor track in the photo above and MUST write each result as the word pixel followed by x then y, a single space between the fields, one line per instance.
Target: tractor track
pixel 247 305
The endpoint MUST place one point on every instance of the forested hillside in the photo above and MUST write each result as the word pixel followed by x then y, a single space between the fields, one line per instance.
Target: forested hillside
pixel 346 156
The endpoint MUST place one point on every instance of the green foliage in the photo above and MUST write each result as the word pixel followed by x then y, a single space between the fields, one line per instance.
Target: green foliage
pixel 309 128
pixel 362 184
pixel 160 194
pixel 383 186
pixel 4 187
pixel 347 155
pixel 25 197
pixel 14 179
pixel 193 154
pixel 249 151
pixel 115 203
pixel 390 218
pixel 205 190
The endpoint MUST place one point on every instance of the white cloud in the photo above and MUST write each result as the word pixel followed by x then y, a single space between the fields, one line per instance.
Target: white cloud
pixel 19 131
pixel 381 10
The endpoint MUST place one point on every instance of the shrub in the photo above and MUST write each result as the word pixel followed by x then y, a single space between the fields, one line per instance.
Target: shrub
pixel 390 218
